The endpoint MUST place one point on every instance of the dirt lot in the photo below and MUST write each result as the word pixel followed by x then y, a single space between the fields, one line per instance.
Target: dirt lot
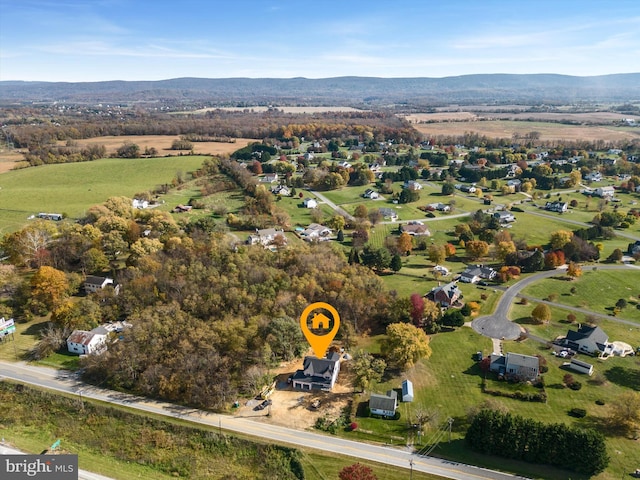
pixel 293 408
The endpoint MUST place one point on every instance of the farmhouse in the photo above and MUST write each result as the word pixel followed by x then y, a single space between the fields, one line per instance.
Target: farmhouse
pixel 317 373
pixel 415 229
pixel 604 192
pixel 316 232
pixel 87 343
pixel 266 236
pixel 559 207
pixel 384 405
pixel 388 214
pixel 282 190
pixel 515 365
pixel 587 339
pixel 310 203
pixel 446 295
pixel 580 366
pixel 475 273
pixel 94 283
pixel 270 178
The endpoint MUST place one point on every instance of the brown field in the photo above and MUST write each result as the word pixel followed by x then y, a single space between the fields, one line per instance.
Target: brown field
pixel 8 158
pixel 548 131
pixel 486 113
pixel 162 143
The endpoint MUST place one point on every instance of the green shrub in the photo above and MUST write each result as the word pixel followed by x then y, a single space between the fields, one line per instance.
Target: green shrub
pixel 578 412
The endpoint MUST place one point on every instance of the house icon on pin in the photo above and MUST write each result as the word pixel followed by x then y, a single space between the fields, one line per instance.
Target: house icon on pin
pixel 319 320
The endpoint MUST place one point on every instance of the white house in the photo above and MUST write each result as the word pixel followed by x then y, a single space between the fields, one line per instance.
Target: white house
pixel 442 270
pixel 87 343
pixel 559 207
pixel 310 203
pixel 282 190
pixel 504 216
pixel 604 192
pixel 316 232
pixel 370 193
pixel 317 373
pixel 412 185
pixel 139 203
pixel 266 236
pixel 593 177
pixel 388 214
pixel 270 178
pixel 384 405
pixel 475 273
pixel 93 283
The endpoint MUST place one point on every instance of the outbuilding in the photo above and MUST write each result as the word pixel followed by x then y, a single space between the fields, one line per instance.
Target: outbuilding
pixel 407 391
pixel 580 366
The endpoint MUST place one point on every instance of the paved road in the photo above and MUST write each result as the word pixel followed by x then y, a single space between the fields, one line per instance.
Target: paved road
pixel 336 208
pixel 65 381
pixel 498 325
pixel 82 474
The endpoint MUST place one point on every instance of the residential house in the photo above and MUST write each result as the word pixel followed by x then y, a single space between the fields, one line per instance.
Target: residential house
pixel 56 217
pixel 587 339
pixel 87 343
pixel 388 214
pixel 266 236
pixel 317 373
pixel 504 216
pixel 580 366
pixel 593 177
pixel 609 161
pixel 515 183
pixel 310 203
pixel 139 203
pixel 316 232
pixel 270 178
pixel 93 283
pixel 441 270
pixel 604 192
pixel 407 391
pixel 475 273
pixel 515 365
pixel 282 190
pixel 412 185
pixel 559 207
pixel 414 229
pixel 384 405
pixel 634 248
pixel 370 193
pixel 446 295
pixel 441 207
pixel 468 188
pixel 345 165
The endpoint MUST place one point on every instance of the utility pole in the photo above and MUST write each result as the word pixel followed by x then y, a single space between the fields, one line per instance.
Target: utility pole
pixel 450 423
pixel 411 467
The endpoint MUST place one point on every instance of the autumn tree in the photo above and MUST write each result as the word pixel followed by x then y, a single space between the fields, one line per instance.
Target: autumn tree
pixel 560 238
pixel 368 370
pixel 574 270
pixel 436 253
pixel 505 248
pixel 405 243
pixel 476 249
pixel 417 308
pixel 285 338
pixel 541 313
pixel 405 345
pixel 450 250
pixel 49 288
pixel 357 471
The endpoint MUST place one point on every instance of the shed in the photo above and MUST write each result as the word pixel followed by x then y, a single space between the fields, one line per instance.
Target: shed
pixel 580 366
pixel 407 391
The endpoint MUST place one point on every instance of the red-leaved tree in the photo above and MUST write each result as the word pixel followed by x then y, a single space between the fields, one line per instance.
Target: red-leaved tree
pixel 417 308
pixel 357 471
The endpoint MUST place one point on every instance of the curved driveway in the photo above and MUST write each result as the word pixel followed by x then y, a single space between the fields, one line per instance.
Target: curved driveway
pixel 498 326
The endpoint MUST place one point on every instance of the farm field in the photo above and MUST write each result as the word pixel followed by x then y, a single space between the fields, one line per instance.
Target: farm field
pixel 507 112
pixel 549 132
pixel 71 188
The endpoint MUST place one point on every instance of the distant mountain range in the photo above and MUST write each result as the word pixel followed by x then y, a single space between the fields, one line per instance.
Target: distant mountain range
pixel 356 91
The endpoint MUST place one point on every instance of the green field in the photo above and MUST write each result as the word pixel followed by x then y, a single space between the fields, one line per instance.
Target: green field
pixel 71 188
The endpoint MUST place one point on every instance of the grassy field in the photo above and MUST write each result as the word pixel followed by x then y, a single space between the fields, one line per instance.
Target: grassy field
pixel 597 291
pixel 71 188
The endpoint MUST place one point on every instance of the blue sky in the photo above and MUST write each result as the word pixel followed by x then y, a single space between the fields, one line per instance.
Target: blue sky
pixel 76 40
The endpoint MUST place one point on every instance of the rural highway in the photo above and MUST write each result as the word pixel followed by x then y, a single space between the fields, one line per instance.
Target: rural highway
pixel 65 381
pixel 498 326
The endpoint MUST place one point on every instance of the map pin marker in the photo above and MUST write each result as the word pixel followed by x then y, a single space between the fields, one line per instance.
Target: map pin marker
pixel 319 323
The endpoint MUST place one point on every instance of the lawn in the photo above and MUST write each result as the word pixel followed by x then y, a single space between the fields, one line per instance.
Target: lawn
pixel 71 188
pixel 597 291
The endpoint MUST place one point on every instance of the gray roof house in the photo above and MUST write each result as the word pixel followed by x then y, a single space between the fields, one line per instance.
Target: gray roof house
pixel 587 339
pixel 446 295
pixel 388 213
pixel 515 365
pixel 384 405
pixel 93 283
pixel 265 236
pixel 415 229
pixel 475 273
pixel 317 373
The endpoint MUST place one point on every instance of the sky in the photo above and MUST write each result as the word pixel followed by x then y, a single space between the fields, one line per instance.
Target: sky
pixel 96 40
